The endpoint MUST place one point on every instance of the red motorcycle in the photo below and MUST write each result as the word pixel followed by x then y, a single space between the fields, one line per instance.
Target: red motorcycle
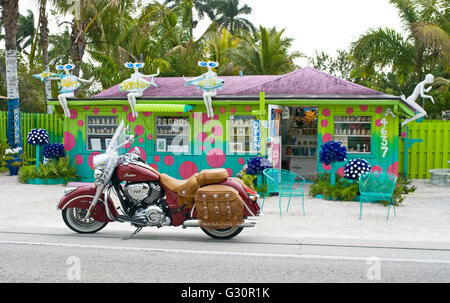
pixel 219 205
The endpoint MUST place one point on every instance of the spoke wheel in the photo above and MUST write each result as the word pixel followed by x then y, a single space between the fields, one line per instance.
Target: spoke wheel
pixel 74 219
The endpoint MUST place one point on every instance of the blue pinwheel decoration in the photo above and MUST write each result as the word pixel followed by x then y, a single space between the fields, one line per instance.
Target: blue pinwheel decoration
pixel 332 152
pixel 255 166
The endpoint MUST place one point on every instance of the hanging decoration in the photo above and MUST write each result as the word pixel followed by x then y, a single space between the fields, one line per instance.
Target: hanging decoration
pixel 68 84
pixel 355 168
pixel 310 117
pixel 136 84
pixel 208 82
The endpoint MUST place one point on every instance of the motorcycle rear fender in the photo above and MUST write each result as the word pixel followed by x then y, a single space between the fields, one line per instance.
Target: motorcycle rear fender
pixel 82 198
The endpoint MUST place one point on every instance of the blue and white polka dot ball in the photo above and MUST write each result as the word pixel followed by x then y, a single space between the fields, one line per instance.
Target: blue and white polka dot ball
pixel 355 168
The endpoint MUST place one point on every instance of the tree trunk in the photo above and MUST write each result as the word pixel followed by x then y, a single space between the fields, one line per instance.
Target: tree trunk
pixel 78 45
pixel 43 32
pixel 10 16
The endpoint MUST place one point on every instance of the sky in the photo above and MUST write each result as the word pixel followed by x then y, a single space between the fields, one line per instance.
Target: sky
pixel 322 25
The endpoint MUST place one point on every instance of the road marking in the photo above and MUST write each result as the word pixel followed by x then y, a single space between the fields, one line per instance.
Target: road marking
pixel 227 253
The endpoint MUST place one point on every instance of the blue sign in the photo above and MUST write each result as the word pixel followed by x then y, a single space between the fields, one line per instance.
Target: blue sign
pixel 256 138
pixel 16 126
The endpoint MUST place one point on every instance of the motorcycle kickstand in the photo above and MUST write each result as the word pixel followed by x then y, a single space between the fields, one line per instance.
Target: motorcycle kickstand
pixel 133 234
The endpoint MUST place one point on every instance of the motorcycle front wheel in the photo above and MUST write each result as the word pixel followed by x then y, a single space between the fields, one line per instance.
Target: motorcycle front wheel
pixel 74 219
pixel 226 233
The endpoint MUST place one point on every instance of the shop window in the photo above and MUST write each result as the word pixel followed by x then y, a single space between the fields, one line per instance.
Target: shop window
pixel 244 134
pixel 172 134
pixel 355 133
pixel 99 131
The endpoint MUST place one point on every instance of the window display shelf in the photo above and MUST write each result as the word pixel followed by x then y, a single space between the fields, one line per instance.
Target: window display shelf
pixel 99 131
pixel 355 133
pixel 170 128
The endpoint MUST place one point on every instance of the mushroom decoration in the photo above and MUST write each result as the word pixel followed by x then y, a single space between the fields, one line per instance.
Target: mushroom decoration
pixel 38 137
pixel 54 151
pixel 355 168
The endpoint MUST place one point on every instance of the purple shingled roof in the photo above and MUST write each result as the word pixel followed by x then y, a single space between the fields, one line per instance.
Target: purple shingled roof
pixel 305 82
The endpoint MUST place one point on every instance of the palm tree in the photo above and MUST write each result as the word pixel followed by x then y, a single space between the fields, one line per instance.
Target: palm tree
pixel 264 53
pixel 10 17
pixel 185 9
pixel 217 44
pixel 227 14
pixel 426 48
pixel 91 18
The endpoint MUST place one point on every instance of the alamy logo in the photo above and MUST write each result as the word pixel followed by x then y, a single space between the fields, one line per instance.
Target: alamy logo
pixel 74 8
pixel 374 271
pixel 74 269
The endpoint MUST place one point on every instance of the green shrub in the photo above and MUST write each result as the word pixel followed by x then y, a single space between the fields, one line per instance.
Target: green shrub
pixel 345 190
pixel 53 169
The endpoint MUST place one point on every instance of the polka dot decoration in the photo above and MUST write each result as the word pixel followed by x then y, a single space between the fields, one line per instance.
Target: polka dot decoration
pixel 38 136
pixel 355 168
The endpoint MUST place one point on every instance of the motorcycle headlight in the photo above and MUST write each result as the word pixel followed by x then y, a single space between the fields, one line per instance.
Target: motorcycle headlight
pixel 100 160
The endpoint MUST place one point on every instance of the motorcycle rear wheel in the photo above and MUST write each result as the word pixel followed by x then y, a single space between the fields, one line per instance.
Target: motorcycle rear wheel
pixel 74 219
pixel 226 233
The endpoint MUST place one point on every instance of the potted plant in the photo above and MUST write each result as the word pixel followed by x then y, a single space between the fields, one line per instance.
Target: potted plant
pixel 13 158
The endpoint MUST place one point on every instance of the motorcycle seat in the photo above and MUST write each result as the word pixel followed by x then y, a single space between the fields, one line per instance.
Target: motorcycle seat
pixel 212 176
pixel 188 186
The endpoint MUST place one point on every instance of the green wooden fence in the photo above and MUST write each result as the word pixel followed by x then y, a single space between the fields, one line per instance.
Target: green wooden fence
pixel 433 152
pixel 51 123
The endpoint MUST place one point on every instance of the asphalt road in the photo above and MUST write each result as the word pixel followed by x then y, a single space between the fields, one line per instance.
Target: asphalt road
pixel 40 254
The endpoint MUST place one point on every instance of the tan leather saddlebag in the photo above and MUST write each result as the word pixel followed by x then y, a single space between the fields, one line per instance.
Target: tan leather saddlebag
pixel 219 206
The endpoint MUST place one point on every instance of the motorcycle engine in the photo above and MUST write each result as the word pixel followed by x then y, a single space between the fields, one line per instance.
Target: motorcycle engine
pixel 148 193
pixel 148 199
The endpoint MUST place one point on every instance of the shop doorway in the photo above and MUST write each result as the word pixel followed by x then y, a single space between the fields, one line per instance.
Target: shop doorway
pixel 299 140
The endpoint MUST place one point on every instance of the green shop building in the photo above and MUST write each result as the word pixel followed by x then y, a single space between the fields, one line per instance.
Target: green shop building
pixel 286 117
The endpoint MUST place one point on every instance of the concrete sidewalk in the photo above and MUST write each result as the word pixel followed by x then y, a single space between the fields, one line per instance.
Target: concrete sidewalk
pixel 423 216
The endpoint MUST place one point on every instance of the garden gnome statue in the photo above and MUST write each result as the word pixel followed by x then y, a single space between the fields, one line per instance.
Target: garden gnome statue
pixel 67 86
pixel 136 84
pixel 420 90
pixel 209 83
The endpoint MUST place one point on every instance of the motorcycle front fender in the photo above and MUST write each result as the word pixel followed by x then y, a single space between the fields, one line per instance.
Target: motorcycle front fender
pixel 82 197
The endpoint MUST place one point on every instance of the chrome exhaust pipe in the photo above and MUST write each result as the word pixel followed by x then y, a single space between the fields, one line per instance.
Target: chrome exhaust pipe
pixel 196 223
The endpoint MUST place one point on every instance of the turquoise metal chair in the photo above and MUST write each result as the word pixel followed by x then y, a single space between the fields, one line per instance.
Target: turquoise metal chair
pixel 283 182
pixel 377 186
